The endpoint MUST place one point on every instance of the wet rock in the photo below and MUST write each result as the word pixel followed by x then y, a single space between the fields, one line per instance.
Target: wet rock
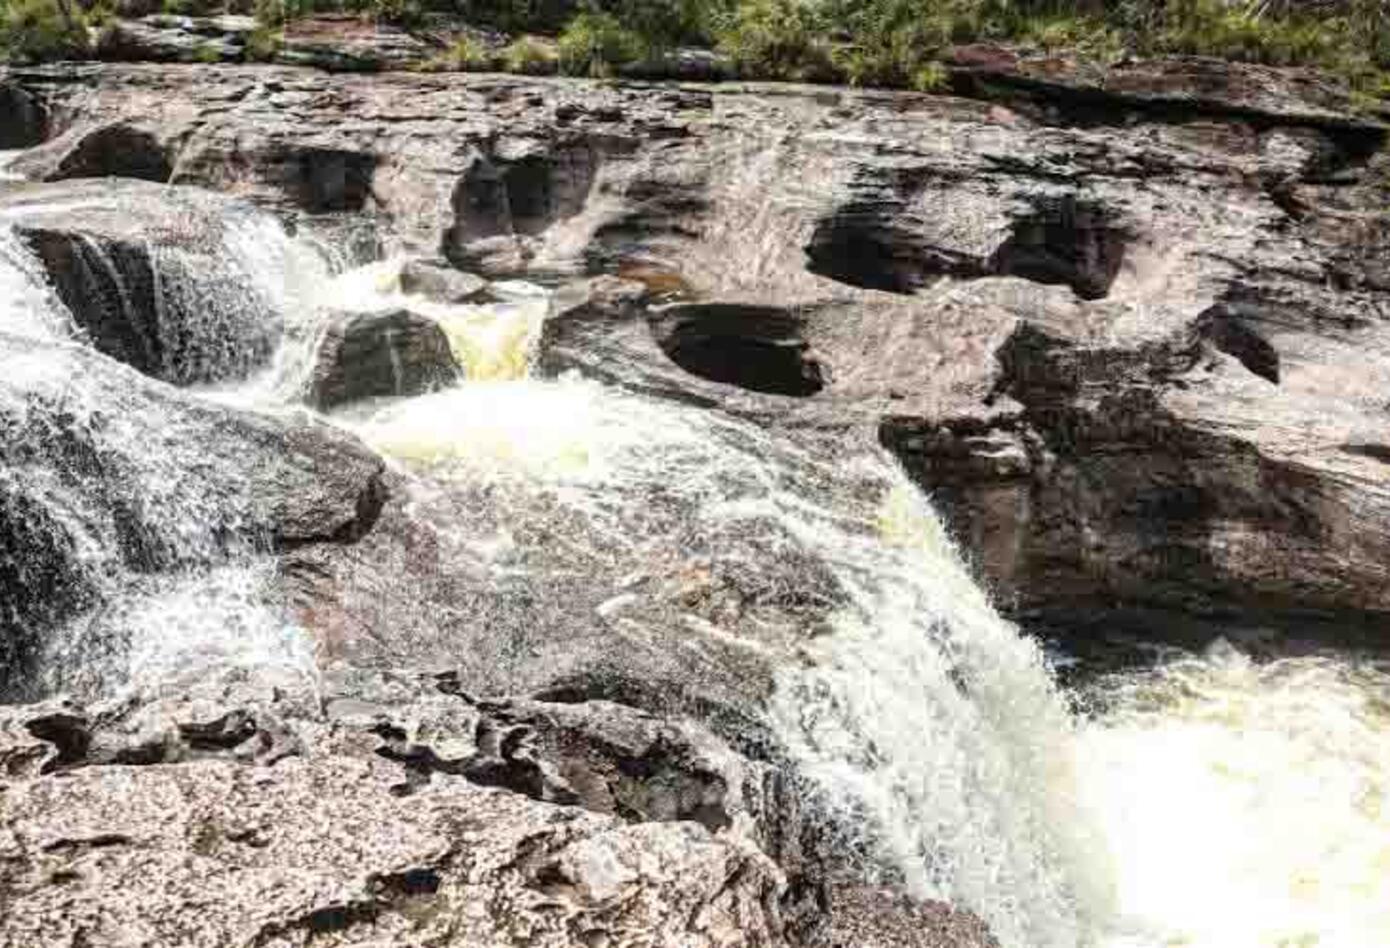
pixel 363 355
pixel 443 283
pixel 109 477
pixel 160 278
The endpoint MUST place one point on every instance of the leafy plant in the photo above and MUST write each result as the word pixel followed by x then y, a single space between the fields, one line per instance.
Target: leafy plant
pixel 263 44
pixel 38 30
pixel 774 39
pixel 595 44
pixel 470 55
pixel 529 56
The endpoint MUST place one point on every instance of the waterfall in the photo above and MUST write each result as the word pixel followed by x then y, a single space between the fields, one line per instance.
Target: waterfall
pixel 930 735
pixel 28 306
pixel 141 541
pixel 918 713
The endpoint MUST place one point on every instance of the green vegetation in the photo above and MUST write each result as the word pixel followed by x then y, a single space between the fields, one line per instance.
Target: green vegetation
pixel 528 56
pixel 36 30
pixel 594 44
pixel 893 43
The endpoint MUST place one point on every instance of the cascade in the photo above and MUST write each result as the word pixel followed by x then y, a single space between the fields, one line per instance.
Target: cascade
pixel 1209 801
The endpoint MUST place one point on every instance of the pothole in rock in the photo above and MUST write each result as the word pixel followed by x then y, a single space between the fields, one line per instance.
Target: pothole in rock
pixel 863 250
pixel 1065 241
pixel 334 180
pixel 21 119
pixel 118 151
pixel 1234 337
pixel 520 196
pixel 753 347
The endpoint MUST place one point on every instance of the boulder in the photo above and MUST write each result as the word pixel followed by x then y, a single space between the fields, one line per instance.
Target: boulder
pixel 365 355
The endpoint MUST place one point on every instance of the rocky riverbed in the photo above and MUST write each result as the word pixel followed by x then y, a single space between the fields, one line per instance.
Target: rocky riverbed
pixel 1128 331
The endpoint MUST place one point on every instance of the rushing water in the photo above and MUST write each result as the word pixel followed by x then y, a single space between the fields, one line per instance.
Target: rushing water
pixel 1209 801
pixel 1247 804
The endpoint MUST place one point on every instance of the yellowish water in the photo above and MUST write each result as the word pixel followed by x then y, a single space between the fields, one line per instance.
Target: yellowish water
pixel 491 341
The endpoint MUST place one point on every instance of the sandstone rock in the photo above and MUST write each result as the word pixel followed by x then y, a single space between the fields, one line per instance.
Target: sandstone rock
pixel 213 853
pixel 379 354
pixel 350 43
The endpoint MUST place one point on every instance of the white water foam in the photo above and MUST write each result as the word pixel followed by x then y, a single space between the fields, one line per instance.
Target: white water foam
pixel 7 158
pixel 171 631
pixel 1248 805
pixel 28 306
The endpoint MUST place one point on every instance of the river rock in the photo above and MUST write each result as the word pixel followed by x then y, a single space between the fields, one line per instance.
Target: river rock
pixel 1194 235
pixel 363 355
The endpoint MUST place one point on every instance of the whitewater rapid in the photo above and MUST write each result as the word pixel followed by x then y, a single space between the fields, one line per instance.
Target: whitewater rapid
pixel 1209 802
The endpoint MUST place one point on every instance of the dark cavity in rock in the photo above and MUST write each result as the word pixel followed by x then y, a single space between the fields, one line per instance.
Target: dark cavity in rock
pixel 21 119
pixel 1234 337
pixel 1065 241
pixel 117 151
pixel 754 347
pixel 335 180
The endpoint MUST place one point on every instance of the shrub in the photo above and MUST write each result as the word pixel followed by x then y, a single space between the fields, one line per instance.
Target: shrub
pixel 594 44
pixel 775 39
pixel 263 44
pixel 467 54
pixel 529 56
pixel 37 30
